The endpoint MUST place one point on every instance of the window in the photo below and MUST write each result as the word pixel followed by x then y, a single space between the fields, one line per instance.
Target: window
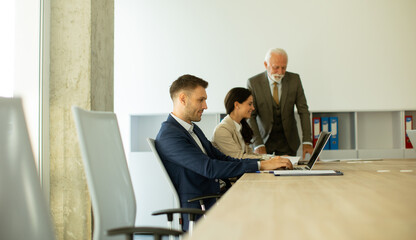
pixel 7 47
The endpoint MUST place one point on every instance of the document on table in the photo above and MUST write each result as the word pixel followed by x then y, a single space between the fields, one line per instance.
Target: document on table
pixel 306 172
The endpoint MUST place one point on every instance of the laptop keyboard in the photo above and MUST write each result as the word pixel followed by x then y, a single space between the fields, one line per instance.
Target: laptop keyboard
pixel 298 168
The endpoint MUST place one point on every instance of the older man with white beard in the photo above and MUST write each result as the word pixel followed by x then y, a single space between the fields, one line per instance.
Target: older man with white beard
pixel 276 92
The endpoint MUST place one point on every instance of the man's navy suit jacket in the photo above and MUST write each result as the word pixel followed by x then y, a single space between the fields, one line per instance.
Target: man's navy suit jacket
pixel 192 172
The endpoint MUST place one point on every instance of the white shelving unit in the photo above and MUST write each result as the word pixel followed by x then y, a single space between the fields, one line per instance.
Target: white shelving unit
pixel 370 134
pixel 409 153
pixel 361 134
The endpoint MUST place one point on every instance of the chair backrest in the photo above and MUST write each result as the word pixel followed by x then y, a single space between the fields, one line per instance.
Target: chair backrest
pixel 106 170
pixel 412 137
pixel 23 209
pixel 164 172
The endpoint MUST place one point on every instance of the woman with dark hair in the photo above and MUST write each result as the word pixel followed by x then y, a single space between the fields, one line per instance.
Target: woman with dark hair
pixel 233 135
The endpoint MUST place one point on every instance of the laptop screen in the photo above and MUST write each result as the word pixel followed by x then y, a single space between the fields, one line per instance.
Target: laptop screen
pixel 320 144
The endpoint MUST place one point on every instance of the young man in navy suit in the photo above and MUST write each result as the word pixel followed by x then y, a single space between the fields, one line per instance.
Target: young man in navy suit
pixel 193 164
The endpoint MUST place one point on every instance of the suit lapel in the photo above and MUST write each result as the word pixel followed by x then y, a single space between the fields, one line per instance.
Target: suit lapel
pixel 171 119
pixel 236 135
pixel 201 136
pixel 265 86
pixel 231 123
pixel 285 89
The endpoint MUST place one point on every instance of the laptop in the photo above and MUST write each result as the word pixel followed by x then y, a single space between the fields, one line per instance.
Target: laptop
pixel 412 136
pixel 320 144
pixel 307 170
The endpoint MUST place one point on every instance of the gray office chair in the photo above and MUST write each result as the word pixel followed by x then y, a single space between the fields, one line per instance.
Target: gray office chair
pixel 108 178
pixel 175 196
pixel 23 209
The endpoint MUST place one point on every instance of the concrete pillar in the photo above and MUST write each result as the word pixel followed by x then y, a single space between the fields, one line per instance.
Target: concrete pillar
pixel 81 74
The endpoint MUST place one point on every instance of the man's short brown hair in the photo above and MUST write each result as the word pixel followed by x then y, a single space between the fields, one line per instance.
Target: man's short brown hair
pixel 186 82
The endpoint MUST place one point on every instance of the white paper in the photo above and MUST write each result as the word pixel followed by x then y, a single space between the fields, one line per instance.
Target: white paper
pixel 303 172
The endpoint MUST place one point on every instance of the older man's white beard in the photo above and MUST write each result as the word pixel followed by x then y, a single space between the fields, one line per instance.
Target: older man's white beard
pixel 277 77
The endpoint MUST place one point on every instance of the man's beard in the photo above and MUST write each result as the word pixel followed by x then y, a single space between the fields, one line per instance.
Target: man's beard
pixel 277 77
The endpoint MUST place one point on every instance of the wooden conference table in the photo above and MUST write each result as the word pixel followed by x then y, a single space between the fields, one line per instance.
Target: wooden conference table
pixel 373 200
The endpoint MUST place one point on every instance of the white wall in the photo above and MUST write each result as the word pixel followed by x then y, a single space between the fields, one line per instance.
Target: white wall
pixel 351 55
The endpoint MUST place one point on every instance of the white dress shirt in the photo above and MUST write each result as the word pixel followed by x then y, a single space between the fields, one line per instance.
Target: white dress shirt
pixel 190 128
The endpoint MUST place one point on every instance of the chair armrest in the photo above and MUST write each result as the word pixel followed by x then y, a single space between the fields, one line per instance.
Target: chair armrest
pixel 180 210
pixel 155 231
pixel 169 212
pixel 202 198
pixel 216 196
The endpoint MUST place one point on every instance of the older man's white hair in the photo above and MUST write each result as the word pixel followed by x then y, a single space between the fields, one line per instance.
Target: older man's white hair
pixel 278 51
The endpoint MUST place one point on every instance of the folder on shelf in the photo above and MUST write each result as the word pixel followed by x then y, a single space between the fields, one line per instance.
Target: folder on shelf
pixel 316 129
pixel 333 127
pixel 408 126
pixel 325 128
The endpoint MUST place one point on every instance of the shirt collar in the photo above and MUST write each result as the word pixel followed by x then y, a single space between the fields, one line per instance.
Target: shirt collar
pixel 238 126
pixel 188 127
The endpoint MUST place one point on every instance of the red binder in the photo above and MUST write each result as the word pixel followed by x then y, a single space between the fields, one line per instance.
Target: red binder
pixel 408 125
pixel 316 129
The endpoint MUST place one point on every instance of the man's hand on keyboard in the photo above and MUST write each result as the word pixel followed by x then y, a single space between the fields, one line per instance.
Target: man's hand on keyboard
pixel 276 163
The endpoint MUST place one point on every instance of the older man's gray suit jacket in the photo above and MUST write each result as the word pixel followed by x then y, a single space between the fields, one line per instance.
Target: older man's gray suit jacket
pixel 261 120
